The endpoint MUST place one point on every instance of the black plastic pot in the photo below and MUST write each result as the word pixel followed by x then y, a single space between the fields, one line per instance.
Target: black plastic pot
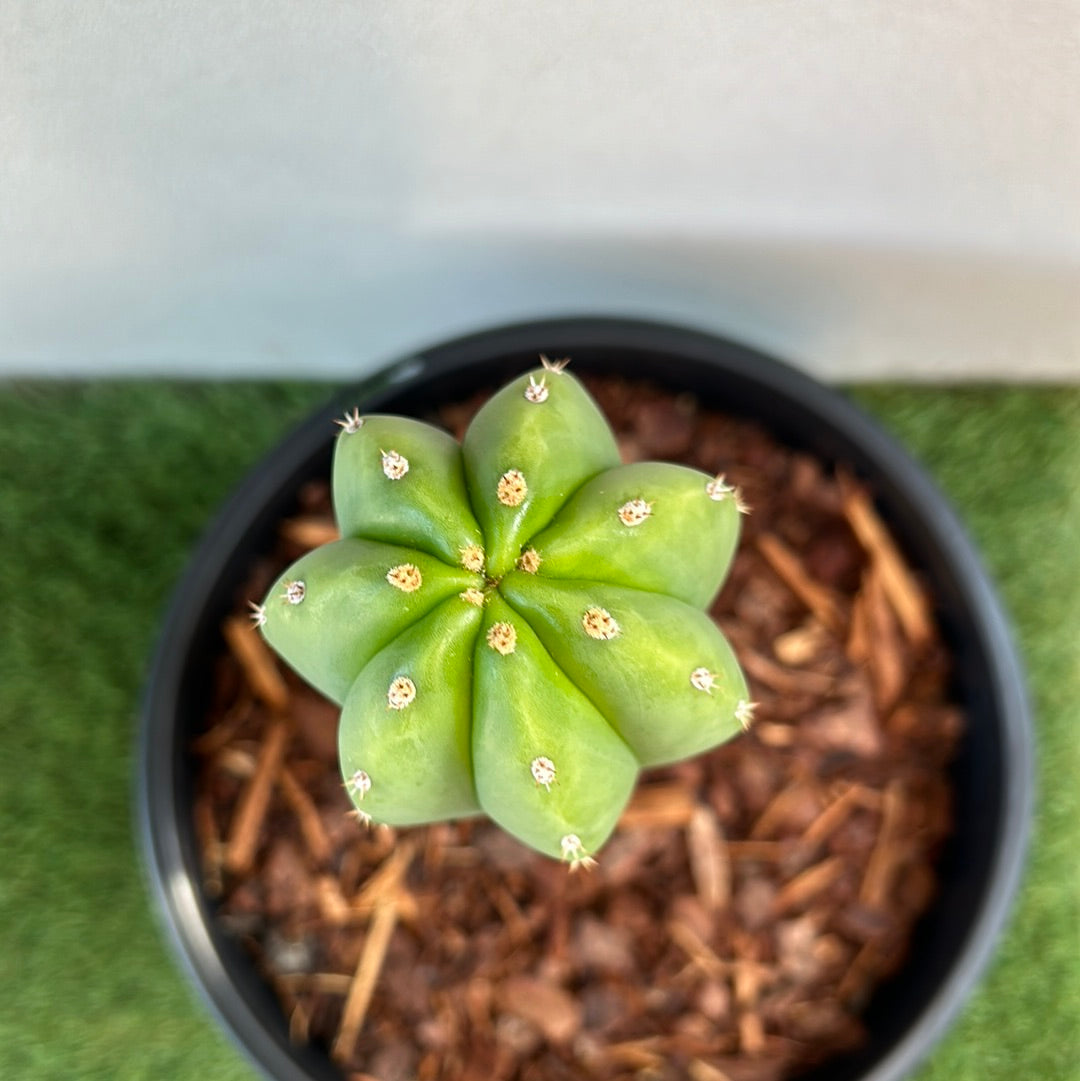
pixel 992 775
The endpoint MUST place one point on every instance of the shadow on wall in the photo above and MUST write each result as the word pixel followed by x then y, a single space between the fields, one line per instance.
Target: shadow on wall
pixel 312 190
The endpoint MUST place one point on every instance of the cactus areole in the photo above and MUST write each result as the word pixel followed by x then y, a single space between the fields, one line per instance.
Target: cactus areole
pixel 514 625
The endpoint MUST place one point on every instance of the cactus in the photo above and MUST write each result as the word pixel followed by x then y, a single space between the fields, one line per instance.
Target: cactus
pixel 514 625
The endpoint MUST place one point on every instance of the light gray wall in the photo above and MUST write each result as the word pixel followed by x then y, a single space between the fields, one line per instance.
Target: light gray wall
pixel 309 187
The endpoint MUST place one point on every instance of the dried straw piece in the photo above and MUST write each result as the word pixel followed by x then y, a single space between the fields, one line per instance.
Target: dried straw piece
pixel 710 867
pixel 254 800
pixel 367 974
pixel 311 826
pixel 899 583
pixel 790 570
pixel 256 662
pixel 309 531
pixel 888 851
pixel 659 806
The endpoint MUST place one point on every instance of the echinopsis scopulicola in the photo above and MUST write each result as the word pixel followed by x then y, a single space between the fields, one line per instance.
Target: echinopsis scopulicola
pixel 514 625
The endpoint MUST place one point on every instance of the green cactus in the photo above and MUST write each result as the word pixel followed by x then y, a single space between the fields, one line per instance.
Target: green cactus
pixel 513 626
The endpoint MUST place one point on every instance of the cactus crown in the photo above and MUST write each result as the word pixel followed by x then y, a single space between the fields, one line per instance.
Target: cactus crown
pixel 514 625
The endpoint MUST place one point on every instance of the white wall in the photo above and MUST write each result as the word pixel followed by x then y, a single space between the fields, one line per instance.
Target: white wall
pixel 308 187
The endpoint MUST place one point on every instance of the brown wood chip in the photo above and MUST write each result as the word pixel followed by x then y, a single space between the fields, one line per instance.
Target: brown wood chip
pixel 385 882
pixel 310 532
pixel 367 974
pixel 804 887
pixel 251 810
pixel 709 863
pixel 555 1012
pixel 307 815
pixel 657 806
pixel 899 583
pixel 887 852
pixel 815 596
pixel 257 662
pixel 888 670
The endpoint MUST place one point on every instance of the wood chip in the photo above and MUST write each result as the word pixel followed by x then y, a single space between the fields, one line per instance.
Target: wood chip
pixel 553 1011
pixel 210 844
pixel 805 886
pixel 710 867
pixel 700 1070
pixel 790 570
pixel 658 806
pixel 634 1054
pixel 899 583
pixel 367 974
pixel 751 1032
pixel 747 980
pixel 258 664
pixel 251 810
pixel 699 952
pixel 762 851
pixel 878 877
pixel 310 532
pixel 775 735
pixel 832 815
pixel 800 645
pixel 385 882
pixel 325 983
pixel 860 975
pixel 332 904
pixel 789 803
pixel 886 657
pixel 237 762
pixel 307 815
pixel 780 679
pixel 299 1024
pixel 857 646
pixel 214 739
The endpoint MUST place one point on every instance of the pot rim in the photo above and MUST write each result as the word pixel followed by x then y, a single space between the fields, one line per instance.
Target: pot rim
pixel 183 912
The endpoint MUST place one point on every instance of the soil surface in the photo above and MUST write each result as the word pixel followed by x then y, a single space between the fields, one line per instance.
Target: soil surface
pixel 750 899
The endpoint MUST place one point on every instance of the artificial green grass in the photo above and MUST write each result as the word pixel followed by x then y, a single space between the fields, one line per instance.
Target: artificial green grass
pixel 104 488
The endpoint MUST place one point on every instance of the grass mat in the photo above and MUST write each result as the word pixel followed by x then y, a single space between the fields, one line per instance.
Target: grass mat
pixel 104 488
